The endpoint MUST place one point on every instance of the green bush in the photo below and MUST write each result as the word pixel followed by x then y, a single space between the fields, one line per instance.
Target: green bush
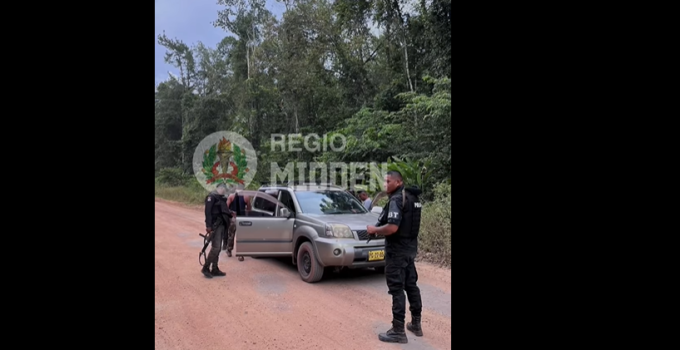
pixel 435 227
pixel 172 184
pixel 173 177
pixel 192 194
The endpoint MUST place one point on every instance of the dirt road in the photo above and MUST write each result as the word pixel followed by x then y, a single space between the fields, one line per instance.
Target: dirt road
pixel 262 303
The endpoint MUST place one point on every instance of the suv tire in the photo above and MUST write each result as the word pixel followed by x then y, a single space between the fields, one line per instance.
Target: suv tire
pixel 309 268
pixel 380 269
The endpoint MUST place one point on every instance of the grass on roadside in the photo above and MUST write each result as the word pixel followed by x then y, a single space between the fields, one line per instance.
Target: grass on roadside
pixel 182 194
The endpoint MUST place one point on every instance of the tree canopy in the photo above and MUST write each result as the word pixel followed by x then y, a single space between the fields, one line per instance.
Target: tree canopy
pixel 376 71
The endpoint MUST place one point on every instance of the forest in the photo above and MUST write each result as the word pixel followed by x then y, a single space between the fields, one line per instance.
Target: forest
pixel 377 72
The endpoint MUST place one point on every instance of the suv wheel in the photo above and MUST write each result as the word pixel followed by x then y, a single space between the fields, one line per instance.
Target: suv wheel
pixel 309 268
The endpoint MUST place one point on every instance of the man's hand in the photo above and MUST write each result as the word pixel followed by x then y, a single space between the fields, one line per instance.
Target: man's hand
pixel 233 214
pixel 208 230
pixel 371 229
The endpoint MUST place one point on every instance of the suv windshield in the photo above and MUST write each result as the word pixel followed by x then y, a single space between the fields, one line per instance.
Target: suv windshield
pixel 329 202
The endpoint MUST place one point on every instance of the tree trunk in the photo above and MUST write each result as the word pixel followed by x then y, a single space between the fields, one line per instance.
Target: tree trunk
pixel 248 60
pixel 408 73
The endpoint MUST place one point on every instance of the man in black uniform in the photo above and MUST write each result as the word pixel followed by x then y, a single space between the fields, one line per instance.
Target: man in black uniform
pixel 399 222
pixel 217 219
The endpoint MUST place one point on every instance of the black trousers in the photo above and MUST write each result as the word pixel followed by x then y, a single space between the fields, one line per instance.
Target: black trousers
pixel 215 244
pixel 401 276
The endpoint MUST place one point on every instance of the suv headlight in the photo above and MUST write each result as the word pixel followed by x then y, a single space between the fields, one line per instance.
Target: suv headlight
pixel 338 231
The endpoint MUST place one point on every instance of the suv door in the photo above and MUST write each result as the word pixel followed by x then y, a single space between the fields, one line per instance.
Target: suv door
pixel 263 231
pixel 286 199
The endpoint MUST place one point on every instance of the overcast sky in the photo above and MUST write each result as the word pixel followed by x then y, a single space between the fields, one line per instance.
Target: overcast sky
pixel 191 21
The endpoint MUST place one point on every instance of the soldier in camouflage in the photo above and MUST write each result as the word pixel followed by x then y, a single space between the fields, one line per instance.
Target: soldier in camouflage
pixel 237 205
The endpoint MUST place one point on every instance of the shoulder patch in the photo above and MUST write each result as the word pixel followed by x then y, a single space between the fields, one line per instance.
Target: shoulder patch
pixel 208 198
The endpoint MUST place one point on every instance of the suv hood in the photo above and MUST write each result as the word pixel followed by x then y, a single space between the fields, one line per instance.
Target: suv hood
pixel 356 222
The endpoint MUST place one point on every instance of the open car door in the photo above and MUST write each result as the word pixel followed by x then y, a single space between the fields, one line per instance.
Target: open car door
pixel 377 197
pixel 266 229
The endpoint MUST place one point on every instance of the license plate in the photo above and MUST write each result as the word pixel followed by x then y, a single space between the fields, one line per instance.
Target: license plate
pixel 376 255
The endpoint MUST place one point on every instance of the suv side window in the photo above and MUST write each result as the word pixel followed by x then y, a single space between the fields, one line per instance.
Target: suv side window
pixel 263 207
pixel 287 200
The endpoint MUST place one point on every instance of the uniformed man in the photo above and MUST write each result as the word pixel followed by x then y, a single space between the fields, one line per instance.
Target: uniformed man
pixel 399 222
pixel 217 218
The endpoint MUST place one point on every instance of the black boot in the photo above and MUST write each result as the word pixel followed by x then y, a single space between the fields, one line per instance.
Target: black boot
pixel 229 253
pixel 415 326
pixel 396 334
pixel 216 271
pixel 206 271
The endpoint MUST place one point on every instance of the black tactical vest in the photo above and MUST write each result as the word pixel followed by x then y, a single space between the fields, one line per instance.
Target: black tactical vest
pixel 410 216
pixel 216 198
pixel 216 210
pixel 410 219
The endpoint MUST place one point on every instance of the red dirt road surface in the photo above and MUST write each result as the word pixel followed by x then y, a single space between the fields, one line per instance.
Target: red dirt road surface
pixel 263 304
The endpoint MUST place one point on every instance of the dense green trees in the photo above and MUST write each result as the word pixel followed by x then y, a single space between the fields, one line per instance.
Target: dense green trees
pixel 377 71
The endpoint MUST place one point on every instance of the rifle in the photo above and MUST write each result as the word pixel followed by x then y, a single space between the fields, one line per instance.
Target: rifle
pixel 223 218
pixel 206 240
pixel 370 237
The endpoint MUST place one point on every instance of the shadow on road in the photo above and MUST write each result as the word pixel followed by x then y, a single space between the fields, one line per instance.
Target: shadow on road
pixel 346 276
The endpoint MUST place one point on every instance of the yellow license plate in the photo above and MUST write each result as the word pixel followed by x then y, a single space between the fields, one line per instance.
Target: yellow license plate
pixel 376 255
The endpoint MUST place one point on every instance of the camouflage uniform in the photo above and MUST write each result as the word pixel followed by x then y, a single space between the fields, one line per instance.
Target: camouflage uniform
pixel 230 237
pixel 237 206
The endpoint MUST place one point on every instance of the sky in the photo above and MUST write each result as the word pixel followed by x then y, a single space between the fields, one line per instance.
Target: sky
pixel 191 22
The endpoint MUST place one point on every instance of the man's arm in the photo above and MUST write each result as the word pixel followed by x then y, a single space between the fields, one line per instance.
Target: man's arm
pixel 246 200
pixel 225 210
pixel 393 219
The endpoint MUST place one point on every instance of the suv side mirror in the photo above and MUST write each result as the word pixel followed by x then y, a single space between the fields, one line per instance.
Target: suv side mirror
pixel 284 212
pixel 376 210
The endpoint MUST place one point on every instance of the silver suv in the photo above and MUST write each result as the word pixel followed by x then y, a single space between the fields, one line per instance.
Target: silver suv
pixel 320 227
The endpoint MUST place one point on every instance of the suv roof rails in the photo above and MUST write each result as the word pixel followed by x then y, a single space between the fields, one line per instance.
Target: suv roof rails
pixel 282 184
pixel 298 183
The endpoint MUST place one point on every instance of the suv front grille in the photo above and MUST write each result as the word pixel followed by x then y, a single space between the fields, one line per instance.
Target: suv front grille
pixel 363 235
